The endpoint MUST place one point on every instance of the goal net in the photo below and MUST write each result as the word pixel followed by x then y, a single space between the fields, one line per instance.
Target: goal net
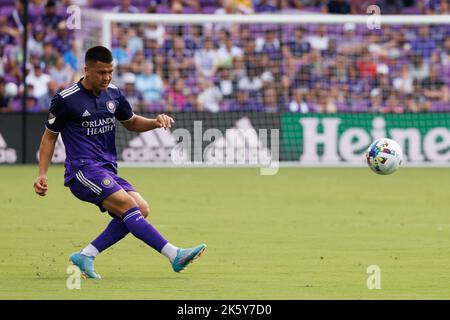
pixel 306 89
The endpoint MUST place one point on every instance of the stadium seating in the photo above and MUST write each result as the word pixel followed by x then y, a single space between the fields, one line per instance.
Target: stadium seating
pixel 317 82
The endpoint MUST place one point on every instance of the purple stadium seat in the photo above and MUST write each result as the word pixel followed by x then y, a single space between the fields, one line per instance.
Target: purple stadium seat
pixel 360 106
pixel 60 10
pixel 6 10
pixel 114 42
pixel 16 104
pixel 140 3
pixel 163 9
pixel 226 105
pixel 38 11
pixel 204 3
pixel 343 107
pixel 314 108
pixel 156 106
pixel 189 10
pixel 106 5
pixel 446 74
pixel 311 9
pixel 440 107
pixel 411 10
pixel 10 78
pixel 255 29
pixel 101 3
pixel 209 9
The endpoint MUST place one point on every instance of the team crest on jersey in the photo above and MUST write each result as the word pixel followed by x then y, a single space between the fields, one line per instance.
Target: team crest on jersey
pixel 107 183
pixel 111 106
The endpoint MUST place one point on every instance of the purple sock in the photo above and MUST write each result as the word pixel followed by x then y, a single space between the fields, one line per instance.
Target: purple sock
pixel 140 228
pixel 115 231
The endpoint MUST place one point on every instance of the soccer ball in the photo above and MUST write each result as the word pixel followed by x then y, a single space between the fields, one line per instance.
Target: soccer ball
pixel 384 156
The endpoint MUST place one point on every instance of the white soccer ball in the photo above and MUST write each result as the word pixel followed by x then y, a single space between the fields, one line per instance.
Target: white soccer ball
pixel 384 156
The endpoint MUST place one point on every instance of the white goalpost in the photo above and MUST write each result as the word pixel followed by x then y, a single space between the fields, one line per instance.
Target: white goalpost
pixel 106 18
pixel 99 23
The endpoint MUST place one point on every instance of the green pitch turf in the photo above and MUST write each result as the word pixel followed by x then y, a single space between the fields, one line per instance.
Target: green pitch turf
pixel 301 234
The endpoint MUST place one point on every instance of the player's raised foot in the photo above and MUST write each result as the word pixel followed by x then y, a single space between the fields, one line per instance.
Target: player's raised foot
pixel 86 265
pixel 186 256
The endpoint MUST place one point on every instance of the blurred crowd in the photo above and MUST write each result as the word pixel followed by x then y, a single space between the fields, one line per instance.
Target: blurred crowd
pixel 238 67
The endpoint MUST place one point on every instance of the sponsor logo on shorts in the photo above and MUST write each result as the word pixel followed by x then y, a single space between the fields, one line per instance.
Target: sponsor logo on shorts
pixel 107 183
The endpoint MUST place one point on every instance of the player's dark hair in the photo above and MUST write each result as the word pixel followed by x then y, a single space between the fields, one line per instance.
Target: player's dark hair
pixel 50 3
pixel 98 53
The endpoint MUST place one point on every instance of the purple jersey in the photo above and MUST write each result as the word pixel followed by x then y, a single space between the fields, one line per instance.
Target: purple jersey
pixel 87 125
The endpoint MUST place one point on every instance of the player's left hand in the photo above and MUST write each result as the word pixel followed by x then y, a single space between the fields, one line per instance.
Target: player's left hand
pixel 164 121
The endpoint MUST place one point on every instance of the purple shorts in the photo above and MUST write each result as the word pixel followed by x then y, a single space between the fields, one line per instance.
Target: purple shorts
pixel 94 184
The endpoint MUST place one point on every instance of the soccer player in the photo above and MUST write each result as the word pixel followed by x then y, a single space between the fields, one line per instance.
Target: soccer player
pixel 85 114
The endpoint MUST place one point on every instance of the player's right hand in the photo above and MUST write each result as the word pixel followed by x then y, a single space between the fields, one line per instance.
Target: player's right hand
pixel 40 185
pixel 164 121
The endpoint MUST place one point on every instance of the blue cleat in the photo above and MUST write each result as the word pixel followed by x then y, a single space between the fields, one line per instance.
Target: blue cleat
pixel 186 256
pixel 86 265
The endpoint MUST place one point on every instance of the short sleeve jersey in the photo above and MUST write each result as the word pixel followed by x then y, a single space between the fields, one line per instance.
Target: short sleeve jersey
pixel 87 125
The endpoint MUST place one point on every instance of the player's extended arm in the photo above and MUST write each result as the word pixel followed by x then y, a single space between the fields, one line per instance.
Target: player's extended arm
pixel 140 124
pixel 46 150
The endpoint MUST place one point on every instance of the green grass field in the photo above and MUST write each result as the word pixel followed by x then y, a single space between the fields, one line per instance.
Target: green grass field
pixel 301 234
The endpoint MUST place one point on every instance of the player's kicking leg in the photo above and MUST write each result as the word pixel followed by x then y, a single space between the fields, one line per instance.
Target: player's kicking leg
pixel 98 187
pixel 126 207
pixel 116 229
